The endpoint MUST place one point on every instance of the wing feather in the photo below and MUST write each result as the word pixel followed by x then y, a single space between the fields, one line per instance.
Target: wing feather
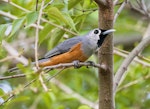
pixel 63 47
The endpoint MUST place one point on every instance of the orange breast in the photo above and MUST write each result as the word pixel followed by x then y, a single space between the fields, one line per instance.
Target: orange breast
pixel 75 53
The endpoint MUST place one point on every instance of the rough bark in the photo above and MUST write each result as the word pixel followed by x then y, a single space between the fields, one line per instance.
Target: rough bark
pixel 105 56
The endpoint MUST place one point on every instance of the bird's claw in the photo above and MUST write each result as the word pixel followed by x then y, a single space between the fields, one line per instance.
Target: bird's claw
pixel 91 63
pixel 76 64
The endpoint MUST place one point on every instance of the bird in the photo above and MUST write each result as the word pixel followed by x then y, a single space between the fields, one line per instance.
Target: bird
pixel 78 48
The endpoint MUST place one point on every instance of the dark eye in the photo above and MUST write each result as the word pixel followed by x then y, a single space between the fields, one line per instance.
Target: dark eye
pixel 96 32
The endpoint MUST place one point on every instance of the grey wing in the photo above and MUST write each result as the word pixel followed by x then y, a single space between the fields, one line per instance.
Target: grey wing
pixel 63 47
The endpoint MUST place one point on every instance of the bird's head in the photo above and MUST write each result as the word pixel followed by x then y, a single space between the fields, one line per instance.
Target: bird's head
pixel 103 35
pixel 99 35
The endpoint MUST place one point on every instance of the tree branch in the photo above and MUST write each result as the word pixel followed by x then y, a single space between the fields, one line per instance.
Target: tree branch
pixel 142 8
pixel 37 35
pixel 49 3
pixel 13 76
pixel 58 26
pixel 136 59
pixel 42 82
pixel 137 81
pixel 66 65
pixel 119 10
pixel 121 71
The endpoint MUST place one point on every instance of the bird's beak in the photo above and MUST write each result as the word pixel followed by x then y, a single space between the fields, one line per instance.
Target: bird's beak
pixel 106 32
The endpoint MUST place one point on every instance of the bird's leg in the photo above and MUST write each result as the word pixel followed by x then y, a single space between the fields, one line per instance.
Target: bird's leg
pixel 91 63
pixel 76 64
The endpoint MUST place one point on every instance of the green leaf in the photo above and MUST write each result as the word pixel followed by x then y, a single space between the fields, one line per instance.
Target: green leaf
pixel 31 18
pixel 72 3
pixel 55 14
pixel 60 17
pixel 3 28
pixel 86 4
pixel 70 21
pixel 45 33
pixel 17 24
pixel 48 97
pixel 55 38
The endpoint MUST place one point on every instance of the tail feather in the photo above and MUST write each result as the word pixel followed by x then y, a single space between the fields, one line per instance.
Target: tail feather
pixel 15 69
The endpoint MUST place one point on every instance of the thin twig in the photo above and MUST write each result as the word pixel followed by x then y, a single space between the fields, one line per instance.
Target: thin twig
pixel 86 10
pixel 142 58
pixel 53 76
pixel 119 10
pixel 18 6
pixel 58 26
pixel 49 3
pixel 136 59
pixel 37 35
pixel 133 83
pixel 142 8
pixel 13 76
pixel 42 81
pixel 10 97
pixel 6 14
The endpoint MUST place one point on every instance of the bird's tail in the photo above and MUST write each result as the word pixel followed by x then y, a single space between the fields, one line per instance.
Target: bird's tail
pixel 15 69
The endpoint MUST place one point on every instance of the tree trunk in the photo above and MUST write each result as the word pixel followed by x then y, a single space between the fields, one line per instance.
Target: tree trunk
pixel 105 56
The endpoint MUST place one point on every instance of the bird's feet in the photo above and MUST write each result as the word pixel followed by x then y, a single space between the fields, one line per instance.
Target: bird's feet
pixel 76 64
pixel 91 63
